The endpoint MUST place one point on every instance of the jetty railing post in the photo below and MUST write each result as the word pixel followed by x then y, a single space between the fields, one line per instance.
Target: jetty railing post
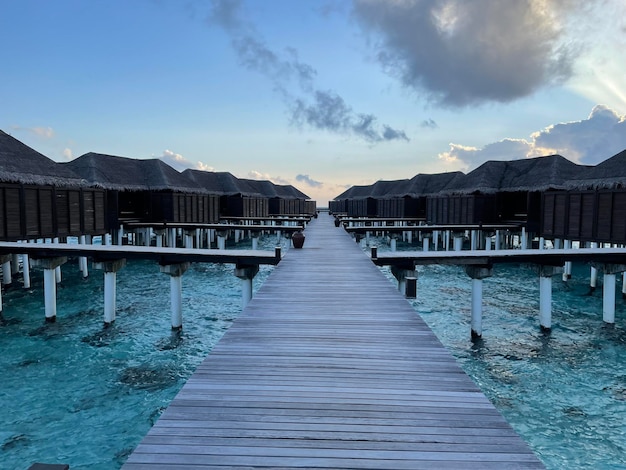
pixel 49 266
pixel 110 269
pixel 246 273
pixel 176 272
pixel 477 273
pixel 411 287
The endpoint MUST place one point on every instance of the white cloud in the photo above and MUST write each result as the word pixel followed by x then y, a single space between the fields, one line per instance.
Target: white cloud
pixel 180 163
pixel 42 132
pixel 588 141
pixel 67 154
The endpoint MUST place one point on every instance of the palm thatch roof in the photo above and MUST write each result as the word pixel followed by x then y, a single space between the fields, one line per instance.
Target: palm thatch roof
pixel 222 183
pixel 609 174
pixel 21 164
pixel 130 174
pixel 429 184
pixel 287 191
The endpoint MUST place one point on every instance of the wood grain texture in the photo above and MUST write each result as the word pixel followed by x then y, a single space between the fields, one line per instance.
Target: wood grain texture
pixel 329 367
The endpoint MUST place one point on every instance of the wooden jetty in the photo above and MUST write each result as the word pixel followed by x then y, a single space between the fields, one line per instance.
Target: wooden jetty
pixel 329 367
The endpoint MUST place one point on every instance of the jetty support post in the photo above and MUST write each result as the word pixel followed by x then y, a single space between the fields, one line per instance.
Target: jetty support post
pixel 158 235
pixel 25 272
pixel 246 273
pixel 458 238
pixel 545 295
pixel 477 273
pixel 82 260
pixel 6 270
pixel 176 272
pixel 50 266
pixel 110 268
pixel 393 241
pixel 608 291
pixel 221 239
pixel 426 241
pixel 254 235
pixel 403 271
pixel 3 259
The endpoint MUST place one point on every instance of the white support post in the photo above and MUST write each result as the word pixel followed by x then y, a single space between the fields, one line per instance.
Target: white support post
pixel 624 285
pixel 6 272
pixel 542 243
pixel 49 266
pixel 120 236
pixel 487 243
pixel 477 273
pixel 221 240
pixel 458 243
pixel 50 294
pixel 110 269
pixel 82 260
pixel 477 308
pixel 567 267
pixel 545 297
pixel 26 271
pixel 255 241
pixel 109 297
pixel 393 243
pixel 409 236
pixel 497 240
pixel 524 240
pixel 608 298
pixel 436 240
pixel 176 272
pixel 246 273
pixel 474 240
pixel 425 243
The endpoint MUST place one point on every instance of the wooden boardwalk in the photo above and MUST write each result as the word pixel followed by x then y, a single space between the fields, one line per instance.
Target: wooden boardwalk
pixel 329 367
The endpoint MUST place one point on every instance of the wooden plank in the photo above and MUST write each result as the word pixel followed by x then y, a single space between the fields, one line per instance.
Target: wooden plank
pixel 329 367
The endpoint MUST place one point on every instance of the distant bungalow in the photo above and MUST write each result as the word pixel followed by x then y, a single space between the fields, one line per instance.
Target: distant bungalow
pixel 549 196
pixel 40 198
pixel 145 190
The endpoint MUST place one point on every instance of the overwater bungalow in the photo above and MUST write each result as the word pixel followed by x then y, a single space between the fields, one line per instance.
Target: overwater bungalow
pixel 237 198
pixel 145 190
pixel 289 200
pixel 593 208
pixel 40 198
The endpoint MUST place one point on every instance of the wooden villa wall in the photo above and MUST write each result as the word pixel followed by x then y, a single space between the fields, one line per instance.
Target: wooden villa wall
pixel 585 215
pixel 310 207
pixel 31 212
pixel 244 206
pixel 461 209
pixel 185 208
pixel 402 207
pixel 337 207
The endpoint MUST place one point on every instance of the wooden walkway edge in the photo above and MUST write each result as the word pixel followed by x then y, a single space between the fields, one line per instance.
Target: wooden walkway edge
pixel 329 367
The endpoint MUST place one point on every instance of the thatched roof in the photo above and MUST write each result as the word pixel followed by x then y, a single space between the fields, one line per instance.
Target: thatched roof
pixel 528 174
pixel 287 191
pixel 130 174
pixel 221 182
pixel 21 164
pixel 609 174
pixel 429 184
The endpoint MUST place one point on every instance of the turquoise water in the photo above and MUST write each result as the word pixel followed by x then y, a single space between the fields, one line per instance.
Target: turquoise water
pixel 563 392
pixel 75 393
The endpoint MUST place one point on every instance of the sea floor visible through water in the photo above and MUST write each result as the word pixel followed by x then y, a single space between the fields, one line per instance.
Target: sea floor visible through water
pixel 73 392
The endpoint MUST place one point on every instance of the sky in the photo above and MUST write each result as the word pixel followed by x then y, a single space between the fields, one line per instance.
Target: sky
pixel 319 94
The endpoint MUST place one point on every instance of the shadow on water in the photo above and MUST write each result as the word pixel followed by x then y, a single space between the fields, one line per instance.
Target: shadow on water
pixel 147 377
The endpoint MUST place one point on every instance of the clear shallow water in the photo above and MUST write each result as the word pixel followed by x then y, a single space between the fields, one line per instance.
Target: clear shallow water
pixel 563 392
pixel 73 392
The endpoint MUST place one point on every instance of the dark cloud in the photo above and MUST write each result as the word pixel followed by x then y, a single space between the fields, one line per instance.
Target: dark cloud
pixel 328 111
pixel 323 110
pixel 588 141
pixel 430 123
pixel 463 52
pixel 306 179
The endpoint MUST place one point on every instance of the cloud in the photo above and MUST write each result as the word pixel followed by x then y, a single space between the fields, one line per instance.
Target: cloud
pixel 257 175
pixel 459 53
pixel 180 163
pixel 294 81
pixel 306 179
pixel 429 123
pixel 42 132
pixel 67 154
pixel 588 141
